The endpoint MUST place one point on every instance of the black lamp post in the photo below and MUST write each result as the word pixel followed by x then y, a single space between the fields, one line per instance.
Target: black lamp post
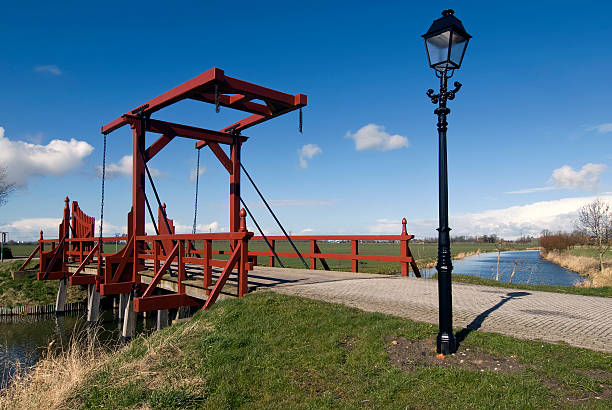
pixel 445 42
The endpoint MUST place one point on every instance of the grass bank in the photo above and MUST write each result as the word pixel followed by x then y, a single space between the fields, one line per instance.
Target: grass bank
pixel 584 263
pixel 275 351
pixel 28 290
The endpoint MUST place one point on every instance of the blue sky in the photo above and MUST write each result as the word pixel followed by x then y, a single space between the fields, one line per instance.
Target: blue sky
pixel 528 140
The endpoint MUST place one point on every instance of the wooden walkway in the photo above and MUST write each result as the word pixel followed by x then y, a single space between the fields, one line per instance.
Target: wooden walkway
pixel 261 277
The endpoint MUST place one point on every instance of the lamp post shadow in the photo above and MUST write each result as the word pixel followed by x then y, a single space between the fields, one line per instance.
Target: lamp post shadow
pixel 478 320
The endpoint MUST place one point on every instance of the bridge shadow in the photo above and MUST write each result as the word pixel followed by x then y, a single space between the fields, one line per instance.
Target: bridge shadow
pixel 478 320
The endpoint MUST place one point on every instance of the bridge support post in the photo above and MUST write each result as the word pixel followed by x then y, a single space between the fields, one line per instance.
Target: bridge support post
pixel 93 303
pixel 162 319
pixel 60 300
pixel 129 318
pixel 123 297
pixel 182 312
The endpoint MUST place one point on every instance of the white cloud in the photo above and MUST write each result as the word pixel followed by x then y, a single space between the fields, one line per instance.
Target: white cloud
pixel 586 178
pixel 507 223
pixel 24 160
pixel 567 178
pixel 307 152
pixel 48 68
pixel 307 230
pixel 192 174
pixel 602 128
pixel 374 137
pixel 124 168
pixel 531 190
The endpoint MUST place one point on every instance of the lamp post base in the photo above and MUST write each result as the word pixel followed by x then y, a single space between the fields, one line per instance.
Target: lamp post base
pixel 446 343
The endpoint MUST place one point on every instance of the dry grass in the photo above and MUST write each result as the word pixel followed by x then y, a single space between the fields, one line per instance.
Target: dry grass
pixel 583 265
pixel 49 383
pixel 53 381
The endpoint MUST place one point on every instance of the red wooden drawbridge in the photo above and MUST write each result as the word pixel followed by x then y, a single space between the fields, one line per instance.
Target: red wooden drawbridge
pixel 78 255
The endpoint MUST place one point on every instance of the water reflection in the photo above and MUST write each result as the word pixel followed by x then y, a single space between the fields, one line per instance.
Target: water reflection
pixel 517 266
pixel 24 338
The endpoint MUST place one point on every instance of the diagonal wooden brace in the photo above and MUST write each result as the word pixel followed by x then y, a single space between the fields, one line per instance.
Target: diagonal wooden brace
pixel 214 294
pixel 162 271
pixel 86 260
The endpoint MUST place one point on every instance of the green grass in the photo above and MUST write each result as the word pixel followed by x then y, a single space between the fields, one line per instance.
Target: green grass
pixel 22 249
pixel 605 291
pixel 589 252
pixel 274 351
pixel 29 291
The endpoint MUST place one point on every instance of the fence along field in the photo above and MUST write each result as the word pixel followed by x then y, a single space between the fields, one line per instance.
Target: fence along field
pixel 424 253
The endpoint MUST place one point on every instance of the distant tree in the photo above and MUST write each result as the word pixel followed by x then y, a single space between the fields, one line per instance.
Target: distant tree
pixel 595 219
pixel 6 188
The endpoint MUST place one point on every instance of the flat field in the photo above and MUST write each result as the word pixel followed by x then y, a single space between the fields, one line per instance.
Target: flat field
pixel 424 253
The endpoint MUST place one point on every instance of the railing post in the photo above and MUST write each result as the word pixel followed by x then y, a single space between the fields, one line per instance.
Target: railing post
pixel 181 267
pixel 354 253
pixel 271 257
pixel 155 256
pixel 207 254
pixel 404 249
pixel 313 260
pixel 243 278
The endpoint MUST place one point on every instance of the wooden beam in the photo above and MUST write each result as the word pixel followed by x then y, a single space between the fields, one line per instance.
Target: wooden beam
pixel 221 155
pixel 185 131
pixel 168 98
pixel 157 146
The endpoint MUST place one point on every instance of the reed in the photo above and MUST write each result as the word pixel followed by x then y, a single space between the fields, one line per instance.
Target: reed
pixel 49 383
pixel 583 265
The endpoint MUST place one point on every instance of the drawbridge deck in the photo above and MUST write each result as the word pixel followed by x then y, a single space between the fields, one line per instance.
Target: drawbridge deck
pixel 260 278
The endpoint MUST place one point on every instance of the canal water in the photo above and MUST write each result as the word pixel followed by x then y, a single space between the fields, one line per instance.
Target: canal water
pixel 527 266
pixel 23 339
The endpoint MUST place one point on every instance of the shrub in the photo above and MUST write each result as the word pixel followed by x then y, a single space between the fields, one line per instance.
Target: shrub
pixel 7 253
pixel 559 241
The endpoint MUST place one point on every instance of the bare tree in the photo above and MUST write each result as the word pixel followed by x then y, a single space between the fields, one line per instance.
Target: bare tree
pixel 6 188
pixel 596 219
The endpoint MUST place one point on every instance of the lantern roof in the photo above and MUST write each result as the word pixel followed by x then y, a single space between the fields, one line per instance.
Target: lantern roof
pixel 446 22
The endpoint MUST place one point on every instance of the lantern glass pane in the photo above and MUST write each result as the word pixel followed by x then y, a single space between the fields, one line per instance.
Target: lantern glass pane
pixel 457 48
pixel 437 47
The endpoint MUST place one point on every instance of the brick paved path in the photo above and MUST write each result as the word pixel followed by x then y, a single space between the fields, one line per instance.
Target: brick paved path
pixel 583 321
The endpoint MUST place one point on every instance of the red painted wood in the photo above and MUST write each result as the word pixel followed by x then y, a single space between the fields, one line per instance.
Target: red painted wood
pixel 161 302
pixel 355 253
pixel 162 271
pixel 214 294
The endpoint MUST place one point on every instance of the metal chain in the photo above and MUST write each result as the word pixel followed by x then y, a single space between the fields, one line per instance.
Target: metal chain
pixel 195 205
pixel 300 119
pixel 102 196
pixel 216 98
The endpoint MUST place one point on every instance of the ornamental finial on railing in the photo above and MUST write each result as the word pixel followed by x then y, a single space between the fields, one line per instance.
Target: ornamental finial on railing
pixel 404 222
pixel 41 235
pixel 243 227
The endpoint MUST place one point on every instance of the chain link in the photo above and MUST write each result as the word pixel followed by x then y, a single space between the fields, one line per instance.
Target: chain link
pixel 195 206
pixel 102 197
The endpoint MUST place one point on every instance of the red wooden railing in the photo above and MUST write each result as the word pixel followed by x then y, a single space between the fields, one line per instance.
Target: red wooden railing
pixel 405 258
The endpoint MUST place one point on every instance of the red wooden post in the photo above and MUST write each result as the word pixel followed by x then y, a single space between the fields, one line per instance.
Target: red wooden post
pixel 181 267
pixel 271 257
pixel 138 187
pixel 207 266
pixel 313 249
pixel 65 234
pixel 40 253
pixel 354 252
pixel 235 189
pixel 243 278
pixel 155 256
pixel 404 249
